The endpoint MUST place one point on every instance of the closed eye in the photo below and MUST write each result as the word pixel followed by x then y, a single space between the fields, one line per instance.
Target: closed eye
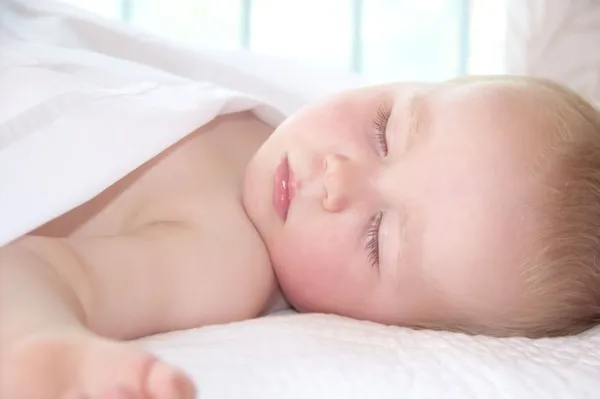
pixel 372 245
pixel 379 129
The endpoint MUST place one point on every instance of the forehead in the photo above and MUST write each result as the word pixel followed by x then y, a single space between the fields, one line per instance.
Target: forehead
pixel 474 197
pixel 499 121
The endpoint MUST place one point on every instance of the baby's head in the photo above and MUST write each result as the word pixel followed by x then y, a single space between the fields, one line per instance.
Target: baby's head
pixel 470 205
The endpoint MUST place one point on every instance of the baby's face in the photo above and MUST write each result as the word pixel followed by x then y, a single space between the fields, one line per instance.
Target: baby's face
pixel 408 204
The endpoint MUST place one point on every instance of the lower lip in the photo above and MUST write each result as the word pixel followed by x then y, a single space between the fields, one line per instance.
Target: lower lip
pixel 282 192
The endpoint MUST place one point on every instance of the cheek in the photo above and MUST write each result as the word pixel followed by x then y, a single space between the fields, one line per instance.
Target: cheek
pixel 317 268
pixel 336 125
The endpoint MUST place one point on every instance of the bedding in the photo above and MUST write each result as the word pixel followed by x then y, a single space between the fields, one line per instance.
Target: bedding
pixel 92 83
pixel 555 39
pixel 324 356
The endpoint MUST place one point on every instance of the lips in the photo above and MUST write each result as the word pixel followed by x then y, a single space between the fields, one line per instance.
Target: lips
pixel 282 188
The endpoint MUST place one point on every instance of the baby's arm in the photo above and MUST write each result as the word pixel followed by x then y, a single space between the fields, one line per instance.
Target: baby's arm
pixel 58 297
pixel 116 286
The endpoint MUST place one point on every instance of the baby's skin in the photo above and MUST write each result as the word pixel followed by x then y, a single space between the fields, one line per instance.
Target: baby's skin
pixel 401 204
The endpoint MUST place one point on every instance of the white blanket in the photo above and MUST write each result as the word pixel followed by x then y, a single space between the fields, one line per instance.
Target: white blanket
pixel 85 101
pixel 68 77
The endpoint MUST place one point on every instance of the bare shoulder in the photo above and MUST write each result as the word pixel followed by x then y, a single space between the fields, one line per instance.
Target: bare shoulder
pixel 220 269
pixel 165 276
pixel 177 223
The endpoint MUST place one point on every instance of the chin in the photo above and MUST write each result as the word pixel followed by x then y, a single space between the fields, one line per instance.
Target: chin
pixel 305 300
pixel 297 293
pixel 305 307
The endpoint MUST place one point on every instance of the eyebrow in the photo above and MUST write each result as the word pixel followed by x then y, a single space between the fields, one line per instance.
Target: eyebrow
pixel 402 240
pixel 415 117
pixel 415 110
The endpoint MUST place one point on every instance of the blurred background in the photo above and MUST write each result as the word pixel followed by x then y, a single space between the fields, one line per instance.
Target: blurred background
pixel 382 40
pixel 387 40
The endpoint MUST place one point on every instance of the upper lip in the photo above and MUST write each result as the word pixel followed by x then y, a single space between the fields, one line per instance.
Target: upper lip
pixel 283 190
pixel 291 182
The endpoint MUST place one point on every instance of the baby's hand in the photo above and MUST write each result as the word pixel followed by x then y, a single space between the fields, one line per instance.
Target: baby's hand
pixel 64 366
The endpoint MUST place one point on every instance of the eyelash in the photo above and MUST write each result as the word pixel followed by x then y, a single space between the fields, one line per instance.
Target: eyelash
pixel 372 245
pixel 380 124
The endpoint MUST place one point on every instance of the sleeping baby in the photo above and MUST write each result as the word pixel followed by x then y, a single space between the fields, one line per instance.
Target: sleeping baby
pixel 471 205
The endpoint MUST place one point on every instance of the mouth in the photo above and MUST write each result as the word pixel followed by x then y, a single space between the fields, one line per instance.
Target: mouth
pixel 283 191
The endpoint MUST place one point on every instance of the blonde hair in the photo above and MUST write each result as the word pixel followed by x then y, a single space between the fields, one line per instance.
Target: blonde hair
pixel 563 279
pixel 565 276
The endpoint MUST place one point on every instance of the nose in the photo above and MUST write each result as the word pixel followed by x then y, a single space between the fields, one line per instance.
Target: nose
pixel 339 180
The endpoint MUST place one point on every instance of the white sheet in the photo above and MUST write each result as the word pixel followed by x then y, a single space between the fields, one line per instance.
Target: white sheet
pixel 290 356
pixel 318 356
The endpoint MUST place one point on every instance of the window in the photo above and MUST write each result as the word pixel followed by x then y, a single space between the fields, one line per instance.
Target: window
pixel 382 39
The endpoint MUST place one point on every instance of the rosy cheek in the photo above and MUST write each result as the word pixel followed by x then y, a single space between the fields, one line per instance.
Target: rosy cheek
pixel 309 264
pixel 341 122
pixel 349 130
pixel 311 274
